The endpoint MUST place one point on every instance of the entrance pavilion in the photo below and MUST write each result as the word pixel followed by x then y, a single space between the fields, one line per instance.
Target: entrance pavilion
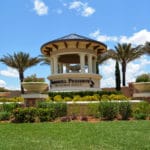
pixel 73 60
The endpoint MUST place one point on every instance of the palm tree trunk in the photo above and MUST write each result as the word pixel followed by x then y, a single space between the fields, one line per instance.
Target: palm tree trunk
pixel 124 74
pixel 21 77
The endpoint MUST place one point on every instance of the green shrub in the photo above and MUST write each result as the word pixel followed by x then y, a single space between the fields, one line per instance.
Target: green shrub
pixel 66 99
pixel 45 114
pixel 117 97
pixel 59 109
pixel 9 107
pixel 82 93
pixel 73 109
pixel 23 115
pixel 4 116
pixel 109 110
pixel 48 99
pixel 140 116
pixel 141 110
pixel 105 98
pixel 142 107
pixel 125 110
pixel 93 109
pixel 77 98
pixel 58 98
pixel 15 99
pixel 143 78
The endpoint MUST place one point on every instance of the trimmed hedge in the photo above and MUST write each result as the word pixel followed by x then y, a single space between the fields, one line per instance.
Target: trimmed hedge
pixel 82 93
pixel 104 110
pixel 44 112
pixel 14 99
pixel 141 110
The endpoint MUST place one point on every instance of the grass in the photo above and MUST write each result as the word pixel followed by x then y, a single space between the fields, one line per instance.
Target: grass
pixel 115 135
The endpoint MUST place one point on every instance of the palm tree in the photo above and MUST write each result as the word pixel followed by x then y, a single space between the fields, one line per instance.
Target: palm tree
pixel 20 61
pixel 101 59
pixel 124 53
pixel 146 48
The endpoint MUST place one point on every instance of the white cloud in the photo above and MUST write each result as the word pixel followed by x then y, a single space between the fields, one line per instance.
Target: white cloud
pixel 9 72
pixel 103 38
pixel 40 7
pixel 83 8
pixel 107 71
pixel 137 38
pixel 2 83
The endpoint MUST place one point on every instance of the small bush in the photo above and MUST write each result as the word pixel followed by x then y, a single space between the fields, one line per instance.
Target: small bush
pixel 117 97
pixel 58 98
pixel 23 115
pixel 4 116
pixel 45 114
pixel 142 107
pixel 105 98
pixel 66 99
pixel 93 109
pixel 9 107
pixel 140 116
pixel 125 110
pixel 141 110
pixel 77 98
pixel 143 78
pixel 108 110
pixel 59 109
pixel 15 99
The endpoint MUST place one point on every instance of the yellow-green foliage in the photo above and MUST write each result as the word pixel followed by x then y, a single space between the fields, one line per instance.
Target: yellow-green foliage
pixel 15 99
pixel 66 99
pixel 48 99
pixel 58 98
pixel 105 98
pixel 113 97
pixel 95 97
pixel 77 98
pixel 118 97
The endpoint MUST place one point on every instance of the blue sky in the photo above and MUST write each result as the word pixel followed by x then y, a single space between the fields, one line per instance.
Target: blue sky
pixel 27 24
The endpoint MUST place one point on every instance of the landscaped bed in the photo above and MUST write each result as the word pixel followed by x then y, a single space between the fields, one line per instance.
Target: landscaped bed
pixel 111 135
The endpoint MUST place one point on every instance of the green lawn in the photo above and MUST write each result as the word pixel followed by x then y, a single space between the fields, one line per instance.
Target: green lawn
pixel 115 135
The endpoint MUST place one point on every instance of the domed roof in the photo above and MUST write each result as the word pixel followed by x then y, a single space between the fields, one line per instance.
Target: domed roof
pixel 73 37
pixel 47 47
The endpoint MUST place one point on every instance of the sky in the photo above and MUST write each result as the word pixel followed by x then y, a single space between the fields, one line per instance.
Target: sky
pixel 25 25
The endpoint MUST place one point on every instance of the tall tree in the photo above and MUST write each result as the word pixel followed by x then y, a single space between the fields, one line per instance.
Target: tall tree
pixel 124 53
pixel 117 76
pixel 20 61
pixel 146 48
